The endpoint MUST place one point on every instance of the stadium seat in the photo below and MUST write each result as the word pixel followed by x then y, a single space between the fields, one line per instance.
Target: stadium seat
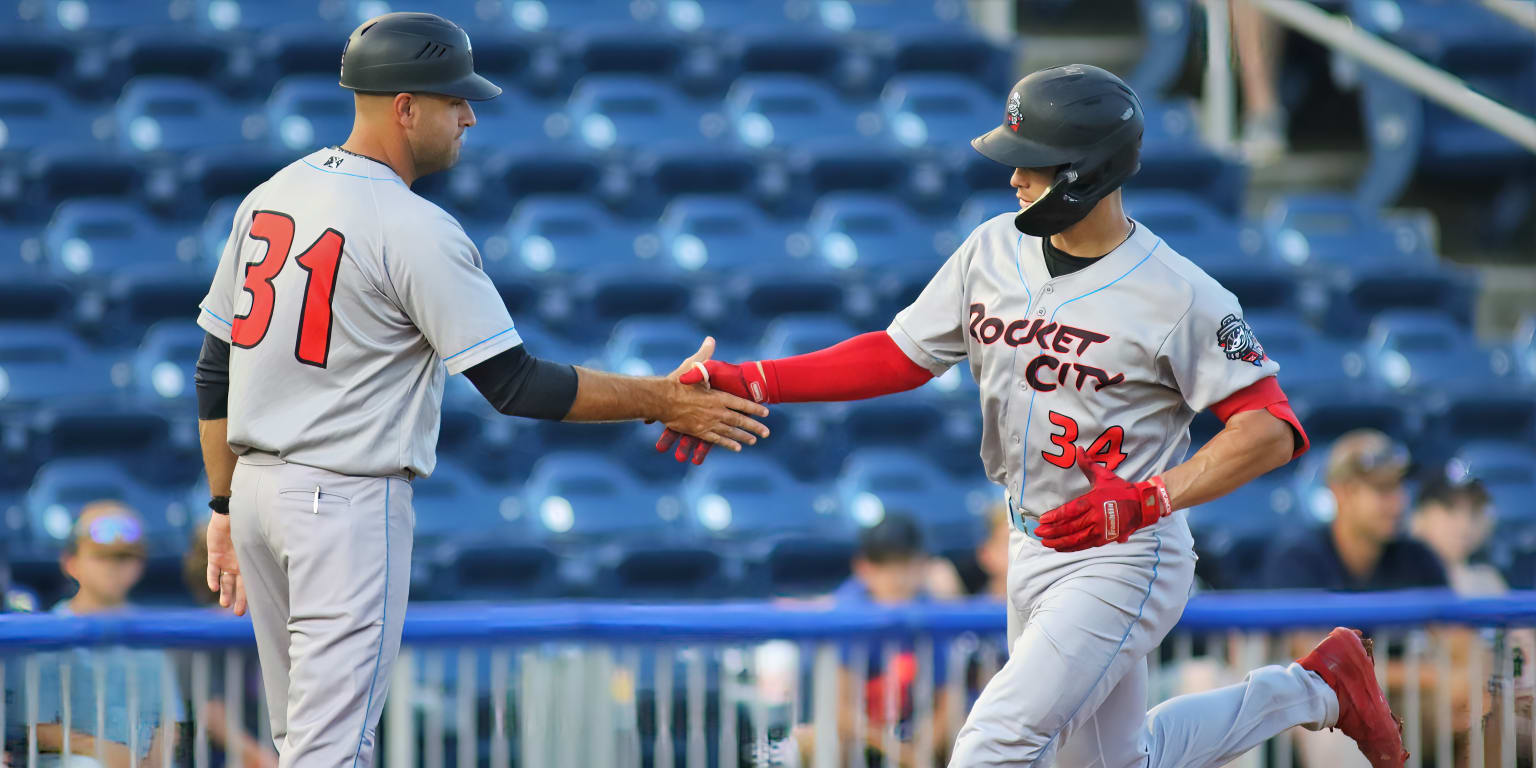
pixel 617 538
pixel 798 334
pixel 160 113
pixel 473 542
pixel 980 207
pixel 208 175
pixel 511 119
pixel 253 15
pixel 47 364
pixel 715 16
pixel 605 45
pixel 96 15
pixel 165 363
pixel 865 15
pixel 89 239
pixel 776 45
pixel 465 13
pixel 306 112
pixel 819 166
pixel 1329 414
pixel 785 533
pixel 1310 363
pixel 1173 157
pixel 1417 352
pixel 1197 230
pixel 527 170
pixel 668 169
pixel 1234 532
pixel 956 49
pixel 1332 231
pixel 778 110
pixel 563 15
pixel 1165 26
pixel 216 228
pixel 622 111
pixel 58 172
pixel 877 481
pixel 863 232
pixel 1507 470
pixel 563 235
pixel 651 346
pixel 29 297
pixel 161 50
pixel 935 110
pixel 716 233
pixel 35 112
pixel 1410 137
pixel 26 53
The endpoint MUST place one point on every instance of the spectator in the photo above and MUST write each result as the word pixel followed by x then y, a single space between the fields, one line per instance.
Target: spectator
pixel 1451 517
pixel 211 712
pixel 1364 548
pixel 890 567
pixel 993 554
pixel 1258 42
pixel 105 558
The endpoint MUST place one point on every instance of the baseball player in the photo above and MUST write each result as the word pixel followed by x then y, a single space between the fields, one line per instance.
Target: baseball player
pixel 1094 344
pixel 340 299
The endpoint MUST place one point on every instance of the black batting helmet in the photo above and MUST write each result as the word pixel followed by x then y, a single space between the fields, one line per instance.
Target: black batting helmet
pixel 413 53
pixel 1078 119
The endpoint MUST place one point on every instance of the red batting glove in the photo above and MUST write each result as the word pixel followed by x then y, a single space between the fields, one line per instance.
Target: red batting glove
pixel 754 380
pixel 1111 510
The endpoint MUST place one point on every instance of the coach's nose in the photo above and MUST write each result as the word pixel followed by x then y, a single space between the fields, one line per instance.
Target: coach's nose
pixel 469 116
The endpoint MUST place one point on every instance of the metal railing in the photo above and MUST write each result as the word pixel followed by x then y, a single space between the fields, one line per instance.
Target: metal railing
pixel 589 684
pixel 1341 35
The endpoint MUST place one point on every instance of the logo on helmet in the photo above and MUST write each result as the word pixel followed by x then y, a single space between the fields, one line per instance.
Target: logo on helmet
pixel 1015 112
pixel 1236 338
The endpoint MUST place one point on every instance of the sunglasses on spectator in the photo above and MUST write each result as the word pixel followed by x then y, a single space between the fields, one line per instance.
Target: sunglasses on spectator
pixel 108 531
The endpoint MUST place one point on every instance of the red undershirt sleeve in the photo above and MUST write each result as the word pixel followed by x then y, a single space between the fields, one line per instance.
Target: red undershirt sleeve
pixel 865 366
pixel 1264 394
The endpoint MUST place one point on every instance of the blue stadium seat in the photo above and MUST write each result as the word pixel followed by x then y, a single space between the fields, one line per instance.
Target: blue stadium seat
pixel 980 207
pixel 956 49
pixel 158 50
pixel 1310 362
pixel 454 503
pixel 26 53
pixel 1329 414
pixel 1234 532
pixel 157 113
pixel 1508 471
pixel 786 534
pixel 604 45
pixel 1173 157
pixel 1198 231
pixel 562 15
pixel 164 365
pixel 863 231
pixel 565 234
pixel 716 233
pixel 468 14
pixel 63 171
pixel 798 334
pixel 779 46
pixel 878 481
pixel 207 175
pixel 651 346
pixel 92 238
pixel 777 110
pixel 1522 350
pixel 216 228
pixel 35 112
pixel 511 119
pixel 818 166
pixel 1413 352
pixel 1320 230
pixel 95 15
pixel 617 538
pixel 306 112
pixel 473 542
pixel 63 486
pixel 618 111
pixel 669 169
pixel 534 170
pixel 160 449
pixel 862 15
pixel 292 48
pixel 1165 26
pixel 46 363
pixel 723 15
pixel 1409 137
pixel 935 110
pixel 254 15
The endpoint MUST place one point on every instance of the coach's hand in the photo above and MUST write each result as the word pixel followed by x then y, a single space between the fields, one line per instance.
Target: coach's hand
pixel 223 566
pixel 1111 510
pixel 703 416
pixel 746 380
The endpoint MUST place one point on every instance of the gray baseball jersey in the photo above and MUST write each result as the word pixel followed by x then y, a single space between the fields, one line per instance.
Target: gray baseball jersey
pixel 1117 357
pixel 337 360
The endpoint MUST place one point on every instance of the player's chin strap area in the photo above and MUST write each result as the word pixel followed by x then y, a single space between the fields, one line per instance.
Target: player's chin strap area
pixel 1055 210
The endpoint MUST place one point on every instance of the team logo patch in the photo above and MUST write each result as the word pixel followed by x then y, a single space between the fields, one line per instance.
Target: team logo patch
pixel 1015 112
pixel 1237 340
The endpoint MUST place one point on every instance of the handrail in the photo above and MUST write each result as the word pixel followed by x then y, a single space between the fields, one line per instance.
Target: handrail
pixel 1435 84
pixel 473 623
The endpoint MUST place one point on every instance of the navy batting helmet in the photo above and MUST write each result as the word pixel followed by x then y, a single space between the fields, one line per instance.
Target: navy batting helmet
pixel 1081 121
pixel 413 53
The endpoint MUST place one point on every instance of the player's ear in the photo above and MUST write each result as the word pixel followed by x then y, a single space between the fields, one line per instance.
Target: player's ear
pixel 405 108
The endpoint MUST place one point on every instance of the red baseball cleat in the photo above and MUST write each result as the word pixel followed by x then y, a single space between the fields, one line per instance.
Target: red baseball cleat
pixel 1348 667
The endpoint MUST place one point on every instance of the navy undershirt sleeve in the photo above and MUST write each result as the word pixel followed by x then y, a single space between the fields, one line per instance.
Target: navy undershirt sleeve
pixel 211 378
pixel 519 384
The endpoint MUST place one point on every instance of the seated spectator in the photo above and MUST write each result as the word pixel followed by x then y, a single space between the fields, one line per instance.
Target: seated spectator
pixel 1364 548
pixel 994 554
pixel 105 559
pixel 890 567
pixel 1451 517
pixel 211 712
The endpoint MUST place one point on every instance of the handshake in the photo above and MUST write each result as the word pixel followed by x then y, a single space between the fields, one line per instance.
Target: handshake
pixel 739 389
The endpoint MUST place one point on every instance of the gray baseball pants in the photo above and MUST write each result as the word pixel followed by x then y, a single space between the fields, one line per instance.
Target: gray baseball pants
pixel 326 563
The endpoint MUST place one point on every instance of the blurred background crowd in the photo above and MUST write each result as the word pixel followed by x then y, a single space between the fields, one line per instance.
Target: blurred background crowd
pixel 781 174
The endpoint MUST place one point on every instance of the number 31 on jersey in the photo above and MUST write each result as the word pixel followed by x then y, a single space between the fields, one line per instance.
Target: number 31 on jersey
pixel 320 260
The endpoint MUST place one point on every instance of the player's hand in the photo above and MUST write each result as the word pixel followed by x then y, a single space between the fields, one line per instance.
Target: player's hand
pixel 223 566
pixel 749 380
pixel 1111 510
pixel 704 416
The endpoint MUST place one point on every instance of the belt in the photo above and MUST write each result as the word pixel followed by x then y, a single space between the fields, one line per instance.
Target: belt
pixel 1024 525
pixel 269 458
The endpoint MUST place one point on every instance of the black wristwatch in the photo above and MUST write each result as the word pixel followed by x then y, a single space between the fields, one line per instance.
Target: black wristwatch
pixel 219 504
